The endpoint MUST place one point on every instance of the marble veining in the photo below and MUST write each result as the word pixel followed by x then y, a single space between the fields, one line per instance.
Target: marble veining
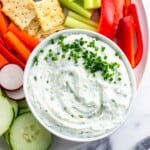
pixel 144 144
pixel 103 144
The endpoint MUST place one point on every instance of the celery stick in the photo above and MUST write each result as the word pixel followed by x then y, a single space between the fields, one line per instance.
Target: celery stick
pixel 76 7
pixel 73 23
pixel 70 0
pixel 80 2
pixel 92 4
pixel 82 19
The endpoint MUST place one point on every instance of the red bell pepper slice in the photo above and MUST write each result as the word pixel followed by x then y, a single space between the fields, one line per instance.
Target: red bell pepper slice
pixel 111 12
pixel 119 5
pixel 139 50
pixel 128 32
pixel 125 36
pixel 127 3
pixel 106 20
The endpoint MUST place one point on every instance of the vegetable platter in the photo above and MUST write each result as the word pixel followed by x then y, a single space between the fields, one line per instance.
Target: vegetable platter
pixel 14 33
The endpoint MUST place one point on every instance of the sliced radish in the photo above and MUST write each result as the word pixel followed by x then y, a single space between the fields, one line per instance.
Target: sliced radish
pixel 16 95
pixel 11 77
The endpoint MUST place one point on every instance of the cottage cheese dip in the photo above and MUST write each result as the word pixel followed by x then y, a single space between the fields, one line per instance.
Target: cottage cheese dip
pixel 81 84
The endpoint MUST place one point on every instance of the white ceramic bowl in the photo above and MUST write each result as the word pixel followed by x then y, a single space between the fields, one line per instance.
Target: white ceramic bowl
pixel 38 110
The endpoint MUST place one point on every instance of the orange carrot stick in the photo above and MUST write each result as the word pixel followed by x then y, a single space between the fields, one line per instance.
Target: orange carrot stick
pixel 14 42
pixel 27 39
pixel 4 43
pixel 3 60
pixel 0 5
pixel 10 57
pixel 3 23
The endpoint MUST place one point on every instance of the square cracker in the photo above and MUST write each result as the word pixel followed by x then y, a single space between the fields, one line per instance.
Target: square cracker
pixel 33 27
pixel 18 12
pixel 49 13
pixel 42 34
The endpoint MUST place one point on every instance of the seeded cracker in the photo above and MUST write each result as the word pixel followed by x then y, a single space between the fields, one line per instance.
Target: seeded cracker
pixel 33 28
pixel 18 12
pixel 42 34
pixel 49 14
pixel 4 1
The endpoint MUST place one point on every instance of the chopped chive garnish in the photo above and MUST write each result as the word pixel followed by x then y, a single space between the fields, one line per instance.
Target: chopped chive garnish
pixel 80 116
pixel 105 57
pixel 54 58
pixel 116 53
pixel 36 60
pixel 42 50
pixel 119 79
pixel 35 78
pixel 52 41
pixel 62 37
pixel 91 61
pixel 63 55
pixel 96 49
pixel 46 58
pixel 103 48
pixel 91 44
pixel 58 53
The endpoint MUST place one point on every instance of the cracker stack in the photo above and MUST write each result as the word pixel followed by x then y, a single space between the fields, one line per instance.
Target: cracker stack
pixel 40 18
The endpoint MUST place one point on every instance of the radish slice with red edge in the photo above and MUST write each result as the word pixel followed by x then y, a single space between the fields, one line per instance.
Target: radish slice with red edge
pixel 11 77
pixel 16 95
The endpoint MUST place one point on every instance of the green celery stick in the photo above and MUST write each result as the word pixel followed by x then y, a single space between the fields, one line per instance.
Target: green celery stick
pixel 92 4
pixel 80 2
pixel 73 23
pixel 82 19
pixel 77 8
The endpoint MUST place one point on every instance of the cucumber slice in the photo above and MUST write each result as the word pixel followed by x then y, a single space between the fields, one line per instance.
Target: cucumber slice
pixel 27 134
pixel 22 104
pixel 6 137
pixel 24 110
pixel 1 92
pixel 14 105
pixel 6 115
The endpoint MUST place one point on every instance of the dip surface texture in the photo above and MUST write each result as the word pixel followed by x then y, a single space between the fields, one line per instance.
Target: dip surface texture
pixel 82 85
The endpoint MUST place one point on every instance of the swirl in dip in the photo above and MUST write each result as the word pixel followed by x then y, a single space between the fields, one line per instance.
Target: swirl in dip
pixel 82 85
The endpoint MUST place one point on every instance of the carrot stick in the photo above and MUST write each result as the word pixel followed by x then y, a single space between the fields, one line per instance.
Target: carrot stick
pixel 3 60
pixel 2 42
pixel 3 23
pixel 14 42
pixel 27 39
pixel 10 57
pixel 0 5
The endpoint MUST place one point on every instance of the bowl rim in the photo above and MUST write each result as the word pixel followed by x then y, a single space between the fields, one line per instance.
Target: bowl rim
pixel 112 45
